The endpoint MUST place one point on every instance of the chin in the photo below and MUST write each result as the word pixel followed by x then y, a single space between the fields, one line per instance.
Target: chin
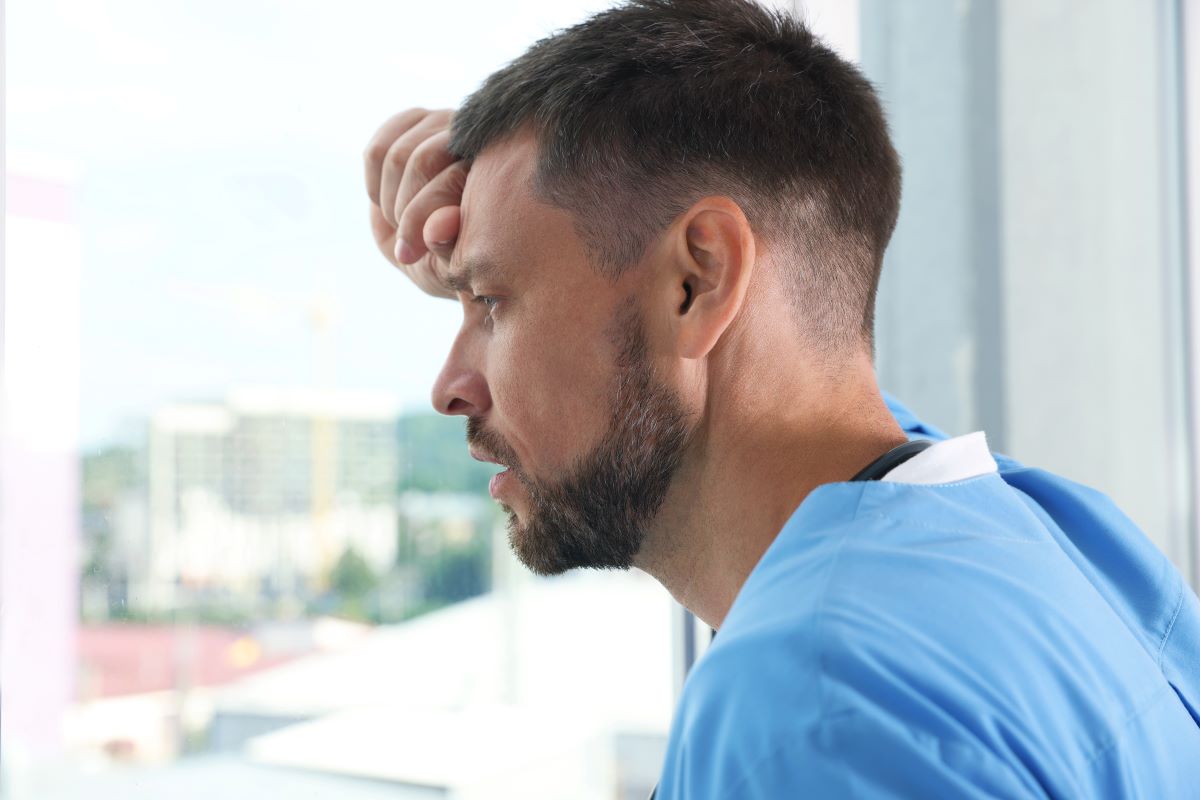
pixel 539 557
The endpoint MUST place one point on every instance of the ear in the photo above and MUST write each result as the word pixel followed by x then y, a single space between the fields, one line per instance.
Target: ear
pixel 711 258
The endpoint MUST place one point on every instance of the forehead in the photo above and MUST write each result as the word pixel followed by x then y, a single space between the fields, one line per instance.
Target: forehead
pixel 502 221
pixel 502 171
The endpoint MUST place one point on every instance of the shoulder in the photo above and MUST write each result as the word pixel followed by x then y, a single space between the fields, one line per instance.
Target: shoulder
pixel 803 712
pixel 853 656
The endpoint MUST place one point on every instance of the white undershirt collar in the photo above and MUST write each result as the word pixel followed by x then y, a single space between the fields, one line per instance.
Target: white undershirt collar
pixel 947 461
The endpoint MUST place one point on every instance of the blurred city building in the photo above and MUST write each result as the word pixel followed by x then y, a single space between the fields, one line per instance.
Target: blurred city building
pixel 254 499
pixel 273 501
pixel 231 536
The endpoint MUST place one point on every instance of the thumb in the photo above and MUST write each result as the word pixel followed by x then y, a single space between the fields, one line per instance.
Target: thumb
pixel 441 231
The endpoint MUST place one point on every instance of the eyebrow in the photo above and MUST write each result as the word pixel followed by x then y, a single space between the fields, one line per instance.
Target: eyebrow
pixel 473 268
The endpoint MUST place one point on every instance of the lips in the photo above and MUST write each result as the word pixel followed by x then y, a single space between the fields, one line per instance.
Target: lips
pixel 480 455
pixel 499 483
pixel 502 480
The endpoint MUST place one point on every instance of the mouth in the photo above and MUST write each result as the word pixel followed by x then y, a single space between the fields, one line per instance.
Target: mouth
pixel 501 481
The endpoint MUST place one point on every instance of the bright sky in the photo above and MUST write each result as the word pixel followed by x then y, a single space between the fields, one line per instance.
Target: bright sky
pixel 218 147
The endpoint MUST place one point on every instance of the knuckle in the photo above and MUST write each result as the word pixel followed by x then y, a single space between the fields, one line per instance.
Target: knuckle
pixel 398 154
pixel 380 141
pixel 409 117
pixel 422 162
pixel 375 152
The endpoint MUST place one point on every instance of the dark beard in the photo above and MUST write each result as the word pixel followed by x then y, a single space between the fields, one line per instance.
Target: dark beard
pixel 596 517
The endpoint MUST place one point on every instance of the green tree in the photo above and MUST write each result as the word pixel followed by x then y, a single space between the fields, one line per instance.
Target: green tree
pixel 457 573
pixel 352 577
pixel 434 457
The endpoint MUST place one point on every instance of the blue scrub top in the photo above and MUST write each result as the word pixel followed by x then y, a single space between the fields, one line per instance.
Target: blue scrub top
pixel 1009 635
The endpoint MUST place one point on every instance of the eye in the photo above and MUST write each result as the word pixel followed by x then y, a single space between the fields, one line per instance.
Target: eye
pixel 487 301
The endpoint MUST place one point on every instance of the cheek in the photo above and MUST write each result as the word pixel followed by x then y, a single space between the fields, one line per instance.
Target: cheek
pixel 550 395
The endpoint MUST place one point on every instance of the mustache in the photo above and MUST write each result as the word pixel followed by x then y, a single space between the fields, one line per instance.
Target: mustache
pixel 490 444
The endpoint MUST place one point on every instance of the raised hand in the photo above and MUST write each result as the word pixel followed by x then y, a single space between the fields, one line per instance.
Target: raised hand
pixel 416 186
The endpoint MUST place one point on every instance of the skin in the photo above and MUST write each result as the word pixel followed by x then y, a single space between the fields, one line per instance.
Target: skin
pixel 769 419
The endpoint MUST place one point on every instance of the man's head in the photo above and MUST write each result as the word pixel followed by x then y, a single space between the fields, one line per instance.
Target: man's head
pixel 643 109
pixel 552 368
pixel 629 176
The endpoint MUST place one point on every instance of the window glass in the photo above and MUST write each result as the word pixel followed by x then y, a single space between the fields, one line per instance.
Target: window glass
pixel 242 556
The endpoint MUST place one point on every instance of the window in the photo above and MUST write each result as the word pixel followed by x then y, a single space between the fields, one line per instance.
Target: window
pixel 241 554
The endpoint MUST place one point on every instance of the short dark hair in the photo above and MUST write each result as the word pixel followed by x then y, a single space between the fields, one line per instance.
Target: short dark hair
pixel 646 107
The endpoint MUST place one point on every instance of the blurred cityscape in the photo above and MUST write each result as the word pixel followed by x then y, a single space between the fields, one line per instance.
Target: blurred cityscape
pixel 276 505
pixel 233 536
pixel 285 591
pixel 303 580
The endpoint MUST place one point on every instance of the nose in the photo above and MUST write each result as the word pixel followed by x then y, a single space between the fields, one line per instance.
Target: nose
pixel 460 388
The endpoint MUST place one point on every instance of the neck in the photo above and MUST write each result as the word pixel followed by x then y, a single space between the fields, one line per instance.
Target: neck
pixel 750 466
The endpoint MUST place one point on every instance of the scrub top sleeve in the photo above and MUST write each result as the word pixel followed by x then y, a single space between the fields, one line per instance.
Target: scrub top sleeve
pixel 859 755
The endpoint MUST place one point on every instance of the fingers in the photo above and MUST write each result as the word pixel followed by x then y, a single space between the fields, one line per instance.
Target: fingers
pixel 445 189
pixel 424 164
pixel 416 187
pixel 385 234
pixel 428 272
pixel 377 149
pixel 396 161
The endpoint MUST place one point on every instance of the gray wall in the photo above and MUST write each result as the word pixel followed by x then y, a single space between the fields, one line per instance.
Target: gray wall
pixel 1035 285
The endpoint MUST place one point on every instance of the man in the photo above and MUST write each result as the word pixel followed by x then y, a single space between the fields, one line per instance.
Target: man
pixel 665 226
